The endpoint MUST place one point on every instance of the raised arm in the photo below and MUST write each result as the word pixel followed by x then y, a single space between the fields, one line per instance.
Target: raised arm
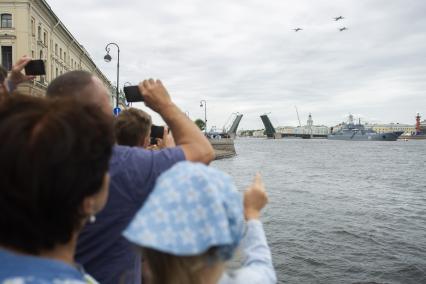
pixel 185 133
pixel 16 76
pixel 256 255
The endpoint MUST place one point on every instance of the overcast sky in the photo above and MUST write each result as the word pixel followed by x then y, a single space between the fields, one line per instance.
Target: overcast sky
pixel 243 55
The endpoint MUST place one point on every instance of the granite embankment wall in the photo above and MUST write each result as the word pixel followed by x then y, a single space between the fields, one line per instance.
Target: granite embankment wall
pixel 224 148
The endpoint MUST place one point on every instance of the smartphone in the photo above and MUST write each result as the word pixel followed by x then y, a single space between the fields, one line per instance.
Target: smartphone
pixel 153 141
pixel 35 68
pixel 157 131
pixel 133 94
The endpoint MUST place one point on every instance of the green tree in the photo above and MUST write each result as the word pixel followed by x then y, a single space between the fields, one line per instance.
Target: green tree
pixel 200 123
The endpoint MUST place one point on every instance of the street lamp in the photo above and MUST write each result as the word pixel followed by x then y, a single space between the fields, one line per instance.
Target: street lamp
pixel 108 58
pixel 204 103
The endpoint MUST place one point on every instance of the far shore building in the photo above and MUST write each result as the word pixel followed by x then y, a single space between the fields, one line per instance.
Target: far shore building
pixel 285 129
pixel 390 127
pixel 30 27
pixel 259 133
pixel 309 128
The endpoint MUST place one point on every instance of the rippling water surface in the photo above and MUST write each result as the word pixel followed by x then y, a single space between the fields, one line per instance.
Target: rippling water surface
pixel 340 211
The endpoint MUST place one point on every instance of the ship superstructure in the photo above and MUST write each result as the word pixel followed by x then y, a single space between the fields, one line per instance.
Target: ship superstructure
pixel 358 132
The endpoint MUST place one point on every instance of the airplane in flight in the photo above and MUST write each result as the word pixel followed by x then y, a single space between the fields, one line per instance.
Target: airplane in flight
pixel 343 29
pixel 338 18
pixel 298 29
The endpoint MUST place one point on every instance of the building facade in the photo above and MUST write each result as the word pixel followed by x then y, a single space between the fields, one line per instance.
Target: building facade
pixel 30 27
pixel 311 129
pixel 382 128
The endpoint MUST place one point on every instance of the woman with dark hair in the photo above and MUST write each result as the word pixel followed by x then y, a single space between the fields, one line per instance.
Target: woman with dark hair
pixel 54 157
pixel 193 222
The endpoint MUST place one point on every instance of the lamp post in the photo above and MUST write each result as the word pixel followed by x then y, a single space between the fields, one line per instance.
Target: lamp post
pixel 204 103
pixel 108 58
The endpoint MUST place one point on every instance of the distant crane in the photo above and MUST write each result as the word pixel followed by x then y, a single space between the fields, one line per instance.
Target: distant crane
pixel 338 18
pixel 343 29
pixel 298 118
pixel 297 29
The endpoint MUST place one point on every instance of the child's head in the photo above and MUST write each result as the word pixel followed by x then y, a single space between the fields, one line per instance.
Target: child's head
pixel 190 225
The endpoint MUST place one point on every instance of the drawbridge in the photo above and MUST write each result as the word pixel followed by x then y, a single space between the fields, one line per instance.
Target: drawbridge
pixel 269 128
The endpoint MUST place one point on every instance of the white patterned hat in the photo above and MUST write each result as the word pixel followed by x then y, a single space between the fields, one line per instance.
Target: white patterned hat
pixel 192 208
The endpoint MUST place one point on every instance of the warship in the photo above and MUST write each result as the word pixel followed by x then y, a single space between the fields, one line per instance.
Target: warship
pixel 357 132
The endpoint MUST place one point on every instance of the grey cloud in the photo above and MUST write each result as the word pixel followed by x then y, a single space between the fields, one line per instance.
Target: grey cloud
pixel 244 56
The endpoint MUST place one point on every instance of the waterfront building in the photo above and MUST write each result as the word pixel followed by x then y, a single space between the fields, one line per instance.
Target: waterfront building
pixel 311 129
pixel 30 27
pixel 285 129
pixel 392 127
pixel 259 133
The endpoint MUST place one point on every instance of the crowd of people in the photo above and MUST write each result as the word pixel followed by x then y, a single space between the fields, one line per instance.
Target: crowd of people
pixel 86 197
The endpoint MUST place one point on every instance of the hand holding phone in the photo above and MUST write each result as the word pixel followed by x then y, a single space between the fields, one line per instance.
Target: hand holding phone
pixel 155 95
pixel 35 68
pixel 157 131
pixel 167 141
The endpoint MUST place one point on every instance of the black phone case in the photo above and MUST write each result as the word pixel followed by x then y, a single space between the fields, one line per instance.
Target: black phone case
pixel 157 131
pixel 132 94
pixel 35 68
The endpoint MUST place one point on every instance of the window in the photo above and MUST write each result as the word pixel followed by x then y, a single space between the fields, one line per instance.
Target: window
pixel 65 57
pixel 56 49
pixel 57 73
pixel 6 57
pixel 45 38
pixel 33 26
pixel 72 63
pixel 60 53
pixel 41 54
pixel 6 20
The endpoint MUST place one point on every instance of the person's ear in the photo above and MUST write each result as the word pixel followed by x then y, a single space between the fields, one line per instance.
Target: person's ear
pixel 146 142
pixel 95 203
pixel 89 208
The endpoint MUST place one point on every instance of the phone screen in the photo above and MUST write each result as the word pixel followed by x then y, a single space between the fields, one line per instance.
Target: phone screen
pixel 133 94
pixel 35 68
pixel 157 131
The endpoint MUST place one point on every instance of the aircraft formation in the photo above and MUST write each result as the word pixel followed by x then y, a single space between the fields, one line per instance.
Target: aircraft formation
pixel 336 19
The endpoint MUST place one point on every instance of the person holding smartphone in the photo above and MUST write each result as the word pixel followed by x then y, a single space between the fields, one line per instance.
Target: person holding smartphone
pixel 133 127
pixel 102 250
pixel 9 82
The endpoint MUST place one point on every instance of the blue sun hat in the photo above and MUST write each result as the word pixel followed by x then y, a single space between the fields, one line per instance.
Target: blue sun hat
pixel 191 209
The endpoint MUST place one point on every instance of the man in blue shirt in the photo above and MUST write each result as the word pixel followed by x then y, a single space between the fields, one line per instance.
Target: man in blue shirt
pixel 101 249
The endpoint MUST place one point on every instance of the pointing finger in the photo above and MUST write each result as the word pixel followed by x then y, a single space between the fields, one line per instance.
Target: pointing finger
pixel 258 182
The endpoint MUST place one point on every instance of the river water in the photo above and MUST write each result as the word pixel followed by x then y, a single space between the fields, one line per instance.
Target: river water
pixel 340 211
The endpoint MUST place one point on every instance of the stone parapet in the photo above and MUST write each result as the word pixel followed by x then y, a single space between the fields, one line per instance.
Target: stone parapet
pixel 224 148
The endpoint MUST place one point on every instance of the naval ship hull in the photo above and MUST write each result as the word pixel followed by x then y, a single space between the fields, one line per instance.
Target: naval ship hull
pixel 388 136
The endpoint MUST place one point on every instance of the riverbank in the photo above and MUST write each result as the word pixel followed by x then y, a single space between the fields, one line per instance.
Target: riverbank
pixel 224 148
